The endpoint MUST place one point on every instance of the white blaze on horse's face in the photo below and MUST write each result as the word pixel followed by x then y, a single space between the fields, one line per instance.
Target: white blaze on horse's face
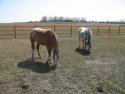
pixel 56 56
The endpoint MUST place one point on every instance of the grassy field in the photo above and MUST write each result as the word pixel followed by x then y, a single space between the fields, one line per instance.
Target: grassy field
pixel 101 72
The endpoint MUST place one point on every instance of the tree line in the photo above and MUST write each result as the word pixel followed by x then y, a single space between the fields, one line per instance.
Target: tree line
pixel 74 19
pixel 62 19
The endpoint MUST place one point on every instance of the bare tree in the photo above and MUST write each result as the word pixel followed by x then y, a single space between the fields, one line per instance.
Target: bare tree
pixel 44 19
pixel 62 19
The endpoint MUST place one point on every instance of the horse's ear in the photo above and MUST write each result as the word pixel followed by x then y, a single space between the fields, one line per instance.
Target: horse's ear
pixel 52 32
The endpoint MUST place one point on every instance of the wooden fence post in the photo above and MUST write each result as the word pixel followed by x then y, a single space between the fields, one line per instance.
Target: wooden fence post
pixel 97 30
pixel 109 30
pixel 35 26
pixel 119 30
pixel 54 28
pixel 14 31
pixel 71 30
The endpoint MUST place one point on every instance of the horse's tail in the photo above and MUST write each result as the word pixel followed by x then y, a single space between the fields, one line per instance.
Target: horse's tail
pixel 90 32
pixel 90 36
pixel 32 40
pixel 79 35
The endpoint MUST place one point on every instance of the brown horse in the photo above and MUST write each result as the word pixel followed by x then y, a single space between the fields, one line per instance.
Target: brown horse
pixel 45 37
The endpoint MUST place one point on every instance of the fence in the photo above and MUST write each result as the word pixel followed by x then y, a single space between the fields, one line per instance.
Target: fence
pixel 69 30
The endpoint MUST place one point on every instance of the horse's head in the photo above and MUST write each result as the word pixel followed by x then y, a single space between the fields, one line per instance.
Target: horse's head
pixel 88 45
pixel 56 50
pixel 55 55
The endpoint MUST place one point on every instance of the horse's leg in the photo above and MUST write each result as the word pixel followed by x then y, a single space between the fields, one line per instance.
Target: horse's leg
pixel 38 50
pixel 54 55
pixel 79 41
pixel 86 45
pixel 89 41
pixel 83 43
pixel 33 47
pixel 49 53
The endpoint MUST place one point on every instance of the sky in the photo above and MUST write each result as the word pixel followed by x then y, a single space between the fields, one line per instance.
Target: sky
pixel 33 10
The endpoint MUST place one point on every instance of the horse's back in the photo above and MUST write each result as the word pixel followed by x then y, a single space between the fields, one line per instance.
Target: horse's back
pixel 42 36
pixel 84 32
pixel 41 31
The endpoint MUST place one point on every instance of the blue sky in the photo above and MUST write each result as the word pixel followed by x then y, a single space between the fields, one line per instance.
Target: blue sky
pixel 33 10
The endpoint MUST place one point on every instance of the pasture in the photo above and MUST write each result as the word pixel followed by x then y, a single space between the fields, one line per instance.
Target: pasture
pixel 102 71
pixel 77 72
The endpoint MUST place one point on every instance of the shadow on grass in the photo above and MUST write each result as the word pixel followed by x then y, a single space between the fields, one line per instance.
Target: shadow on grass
pixel 36 66
pixel 82 51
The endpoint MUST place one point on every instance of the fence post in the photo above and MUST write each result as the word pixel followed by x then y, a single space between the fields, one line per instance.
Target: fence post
pixel 109 30
pixel 71 30
pixel 97 30
pixel 119 30
pixel 14 31
pixel 54 28
pixel 35 26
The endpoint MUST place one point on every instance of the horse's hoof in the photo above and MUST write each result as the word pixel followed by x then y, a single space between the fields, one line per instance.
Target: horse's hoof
pixel 33 59
pixel 49 62
pixel 39 56
pixel 79 47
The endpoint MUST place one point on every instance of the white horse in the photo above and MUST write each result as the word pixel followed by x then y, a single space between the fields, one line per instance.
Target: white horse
pixel 86 35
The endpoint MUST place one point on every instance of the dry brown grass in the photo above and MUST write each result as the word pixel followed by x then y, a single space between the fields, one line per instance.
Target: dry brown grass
pixel 102 71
